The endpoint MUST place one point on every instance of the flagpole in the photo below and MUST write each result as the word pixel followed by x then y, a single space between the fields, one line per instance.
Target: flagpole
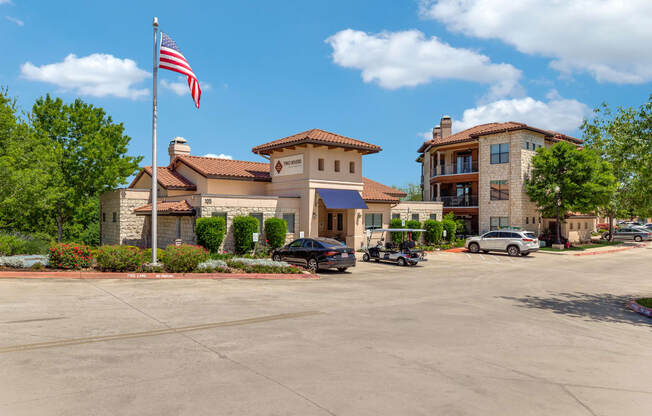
pixel 154 168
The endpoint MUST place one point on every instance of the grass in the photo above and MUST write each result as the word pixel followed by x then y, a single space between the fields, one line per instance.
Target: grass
pixel 647 302
pixel 583 247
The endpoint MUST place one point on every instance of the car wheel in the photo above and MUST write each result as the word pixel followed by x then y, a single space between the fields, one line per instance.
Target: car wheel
pixel 401 262
pixel 365 257
pixel 638 238
pixel 605 236
pixel 474 247
pixel 313 265
pixel 513 251
pixel 342 269
pixel 276 257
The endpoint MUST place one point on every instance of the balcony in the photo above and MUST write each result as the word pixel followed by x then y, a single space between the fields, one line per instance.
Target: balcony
pixel 460 201
pixel 455 169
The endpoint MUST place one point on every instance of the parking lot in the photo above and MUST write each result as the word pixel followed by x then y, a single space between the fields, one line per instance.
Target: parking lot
pixel 460 334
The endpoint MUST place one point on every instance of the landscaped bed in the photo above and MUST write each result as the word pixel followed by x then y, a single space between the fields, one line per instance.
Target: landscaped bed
pixel 642 306
pixel 582 247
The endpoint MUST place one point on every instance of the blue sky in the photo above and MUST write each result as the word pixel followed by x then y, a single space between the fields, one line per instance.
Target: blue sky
pixel 380 71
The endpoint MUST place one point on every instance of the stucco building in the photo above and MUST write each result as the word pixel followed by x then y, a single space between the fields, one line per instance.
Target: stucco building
pixel 312 179
pixel 479 174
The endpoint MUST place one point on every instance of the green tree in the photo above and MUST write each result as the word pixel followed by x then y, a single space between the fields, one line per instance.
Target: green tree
pixel 84 153
pixel 412 190
pixel 565 179
pixel 624 139
pixel 396 236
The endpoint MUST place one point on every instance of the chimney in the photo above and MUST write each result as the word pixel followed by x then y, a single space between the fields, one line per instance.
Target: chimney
pixel 446 126
pixel 436 132
pixel 178 147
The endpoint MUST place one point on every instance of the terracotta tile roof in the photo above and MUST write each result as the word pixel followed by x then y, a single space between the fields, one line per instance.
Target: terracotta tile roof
pixel 167 178
pixel 473 133
pixel 317 136
pixel 224 168
pixel 376 191
pixel 167 207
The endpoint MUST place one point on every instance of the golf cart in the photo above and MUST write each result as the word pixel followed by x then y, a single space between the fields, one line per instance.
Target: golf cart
pixel 402 254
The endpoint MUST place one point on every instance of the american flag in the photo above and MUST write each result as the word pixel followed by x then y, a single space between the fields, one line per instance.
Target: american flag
pixel 170 57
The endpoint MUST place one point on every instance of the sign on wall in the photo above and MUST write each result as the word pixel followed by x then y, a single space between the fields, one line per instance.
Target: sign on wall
pixel 288 165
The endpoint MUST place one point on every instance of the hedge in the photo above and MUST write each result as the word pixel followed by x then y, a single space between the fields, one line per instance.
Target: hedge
pixel 414 224
pixel 451 227
pixel 184 258
pixel 396 223
pixel 120 258
pixel 275 230
pixel 434 231
pixel 37 243
pixel 243 229
pixel 210 232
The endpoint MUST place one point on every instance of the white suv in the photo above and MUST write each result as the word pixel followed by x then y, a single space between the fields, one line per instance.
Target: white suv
pixel 514 242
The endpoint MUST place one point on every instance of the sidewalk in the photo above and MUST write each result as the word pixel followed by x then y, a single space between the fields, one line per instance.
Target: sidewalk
pixel 596 250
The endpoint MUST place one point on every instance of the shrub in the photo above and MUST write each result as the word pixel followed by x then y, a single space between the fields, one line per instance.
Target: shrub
pixel 396 223
pixel 211 266
pixel 23 261
pixel 119 258
pixel 275 230
pixel 38 243
pixel 451 228
pixel 259 262
pixel 210 232
pixel 11 245
pixel 434 230
pixel 91 234
pixel 69 256
pixel 37 266
pixel 414 224
pixel 243 229
pixel 184 258
pixel 268 267
pixel 147 255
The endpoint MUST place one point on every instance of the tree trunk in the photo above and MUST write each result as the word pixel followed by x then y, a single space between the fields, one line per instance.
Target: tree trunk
pixel 558 239
pixel 611 225
pixel 59 225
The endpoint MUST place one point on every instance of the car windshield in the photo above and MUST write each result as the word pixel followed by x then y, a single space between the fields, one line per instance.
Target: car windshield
pixel 329 242
pixel 530 235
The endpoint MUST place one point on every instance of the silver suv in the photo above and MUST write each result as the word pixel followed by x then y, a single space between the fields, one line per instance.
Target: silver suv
pixel 514 242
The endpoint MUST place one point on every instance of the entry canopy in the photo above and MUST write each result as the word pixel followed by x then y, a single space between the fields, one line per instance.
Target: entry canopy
pixel 341 198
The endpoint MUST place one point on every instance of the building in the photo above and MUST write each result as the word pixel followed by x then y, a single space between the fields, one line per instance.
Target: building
pixel 479 173
pixel 312 179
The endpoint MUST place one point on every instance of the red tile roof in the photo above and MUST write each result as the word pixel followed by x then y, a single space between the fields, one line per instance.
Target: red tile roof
pixel 167 207
pixel 376 191
pixel 473 133
pixel 212 167
pixel 317 136
pixel 167 178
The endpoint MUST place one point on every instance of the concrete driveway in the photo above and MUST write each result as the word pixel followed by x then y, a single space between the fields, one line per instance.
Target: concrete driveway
pixel 459 335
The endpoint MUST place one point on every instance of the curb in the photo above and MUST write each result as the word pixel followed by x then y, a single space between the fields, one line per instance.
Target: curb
pixel 615 250
pixel 645 311
pixel 154 276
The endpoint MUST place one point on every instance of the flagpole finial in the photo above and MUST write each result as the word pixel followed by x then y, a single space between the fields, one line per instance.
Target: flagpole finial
pixel 155 22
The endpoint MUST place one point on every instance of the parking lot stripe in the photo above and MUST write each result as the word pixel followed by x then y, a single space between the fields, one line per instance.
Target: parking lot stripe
pixel 155 332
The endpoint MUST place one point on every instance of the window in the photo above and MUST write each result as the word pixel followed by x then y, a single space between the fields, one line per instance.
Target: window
pixel 337 166
pixel 320 164
pixel 329 222
pixel 219 214
pixel 178 227
pixel 351 167
pixel 415 217
pixel 372 221
pixel 499 153
pixel 396 216
pixel 496 223
pixel 296 243
pixel 586 225
pixel 526 145
pixel 307 244
pixel 533 221
pixel 340 221
pixel 104 217
pixel 571 225
pixel 115 217
pixel 433 217
pixel 527 220
pixel 499 190
pixel 259 217
pixel 289 219
pixel 491 235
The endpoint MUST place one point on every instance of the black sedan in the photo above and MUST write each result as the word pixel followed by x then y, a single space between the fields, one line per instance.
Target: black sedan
pixel 317 253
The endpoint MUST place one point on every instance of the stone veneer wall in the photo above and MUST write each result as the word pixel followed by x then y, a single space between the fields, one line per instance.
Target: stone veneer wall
pixel 129 228
pixel 422 208
pixel 167 229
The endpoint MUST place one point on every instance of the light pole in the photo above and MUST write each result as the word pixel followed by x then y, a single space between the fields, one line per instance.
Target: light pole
pixel 557 203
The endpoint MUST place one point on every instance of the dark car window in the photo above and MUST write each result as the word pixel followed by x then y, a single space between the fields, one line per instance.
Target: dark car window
pixel 296 243
pixel 530 235
pixel 504 234
pixel 491 235
pixel 307 244
pixel 329 242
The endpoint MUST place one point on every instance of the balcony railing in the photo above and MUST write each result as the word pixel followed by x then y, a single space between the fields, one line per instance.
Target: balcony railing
pixel 460 201
pixel 455 169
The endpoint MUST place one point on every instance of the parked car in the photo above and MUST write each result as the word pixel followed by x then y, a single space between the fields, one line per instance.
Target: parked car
pixel 514 242
pixel 630 233
pixel 317 253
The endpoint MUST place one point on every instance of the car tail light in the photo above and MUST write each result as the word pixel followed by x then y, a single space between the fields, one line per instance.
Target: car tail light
pixel 528 239
pixel 331 253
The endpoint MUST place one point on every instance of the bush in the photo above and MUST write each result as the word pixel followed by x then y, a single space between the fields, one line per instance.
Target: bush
pixel 184 258
pixel 147 255
pixel 262 266
pixel 275 230
pixel 11 245
pixel 210 232
pixel 69 256
pixel 38 243
pixel 23 261
pixel 434 231
pixel 396 223
pixel 451 227
pixel 243 229
pixel 119 258
pixel 414 224
pixel 211 266
pixel 91 234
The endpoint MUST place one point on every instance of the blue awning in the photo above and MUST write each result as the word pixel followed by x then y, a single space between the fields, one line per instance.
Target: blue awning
pixel 341 198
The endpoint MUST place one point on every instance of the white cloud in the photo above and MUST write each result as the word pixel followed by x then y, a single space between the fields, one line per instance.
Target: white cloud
pixel 5 2
pixel 15 20
pixel 220 156
pixel 610 39
pixel 96 75
pixel 558 114
pixel 408 58
pixel 180 87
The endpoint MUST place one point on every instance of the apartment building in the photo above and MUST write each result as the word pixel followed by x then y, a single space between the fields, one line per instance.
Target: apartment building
pixel 479 173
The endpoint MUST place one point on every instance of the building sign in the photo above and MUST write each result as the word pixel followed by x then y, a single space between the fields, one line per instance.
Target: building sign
pixel 288 165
